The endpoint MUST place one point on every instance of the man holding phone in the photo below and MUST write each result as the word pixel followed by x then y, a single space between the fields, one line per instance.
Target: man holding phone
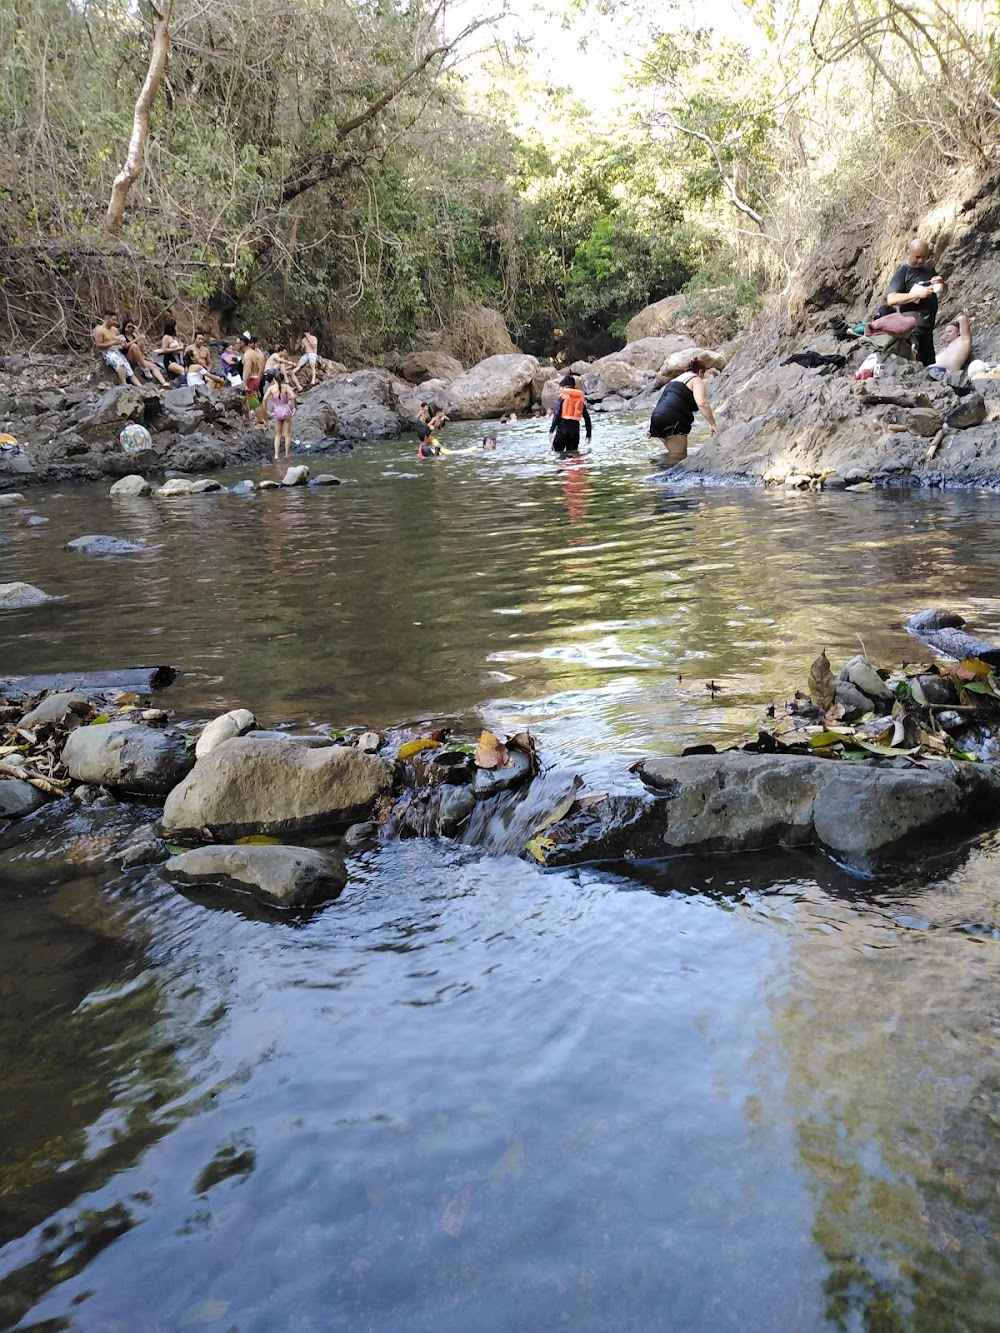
pixel 914 289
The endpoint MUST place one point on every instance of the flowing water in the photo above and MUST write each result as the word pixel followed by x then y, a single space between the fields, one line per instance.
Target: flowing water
pixel 750 1093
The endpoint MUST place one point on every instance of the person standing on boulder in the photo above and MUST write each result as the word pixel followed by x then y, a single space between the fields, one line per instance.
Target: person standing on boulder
pixel 914 289
pixel 673 415
pixel 253 369
pixel 571 408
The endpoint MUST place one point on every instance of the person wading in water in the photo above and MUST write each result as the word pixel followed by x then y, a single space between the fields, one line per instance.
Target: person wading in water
pixel 673 415
pixel 571 407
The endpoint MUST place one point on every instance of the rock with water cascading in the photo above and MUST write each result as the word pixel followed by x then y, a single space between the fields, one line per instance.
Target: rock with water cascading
pixel 280 876
pixel 934 617
pixel 263 785
pixel 142 680
pixel 867 814
pixel 127 757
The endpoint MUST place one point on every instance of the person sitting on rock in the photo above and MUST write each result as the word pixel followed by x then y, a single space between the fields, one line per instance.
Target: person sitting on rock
pixel 957 349
pixel 202 354
pixel 109 341
pixel 424 414
pixel 310 355
pixel 914 289
pixel 570 410
pixel 280 360
pixel 673 415
pixel 428 446
pixel 172 351
pixel 197 376
pixel 137 351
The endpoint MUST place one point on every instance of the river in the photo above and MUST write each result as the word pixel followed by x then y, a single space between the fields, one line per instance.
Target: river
pixel 752 1093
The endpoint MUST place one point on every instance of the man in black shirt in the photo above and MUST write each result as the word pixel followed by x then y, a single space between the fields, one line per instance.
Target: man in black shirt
pixel 914 290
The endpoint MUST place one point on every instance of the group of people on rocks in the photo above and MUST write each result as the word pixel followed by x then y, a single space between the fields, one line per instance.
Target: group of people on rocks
pixel 270 381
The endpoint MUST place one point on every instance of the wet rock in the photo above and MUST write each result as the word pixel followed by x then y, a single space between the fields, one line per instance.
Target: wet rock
pixel 281 876
pixel 141 680
pixel 860 486
pixel 85 793
pixel 856 474
pixel 934 689
pixel 205 485
pixel 15 596
pixel 951 721
pixel 237 722
pixel 256 784
pixel 173 489
pixel 369 742
pixel 862 813
pixel 489 781
pixel 970 412
pixel 59 707
pixel 854 700
pixel 361 405
pixel 359 836
pixel 19 798
pixel 954 644
pixel 36 521
pixel 860 673
pixel 325 479
pixel 935 617
pixel 835 483
pixel 494 386
pixel 439 813
pixel 143 848
pixel 244 488
pixel 311 740
pixel 131 485
pixel 127 757
pixel 269 486
pixel 12 498
pixel 296 476
pixel 99 544
pixel 453 767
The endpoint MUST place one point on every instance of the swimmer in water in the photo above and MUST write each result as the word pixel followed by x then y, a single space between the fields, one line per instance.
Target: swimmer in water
pixel 490 442
pixel 428 446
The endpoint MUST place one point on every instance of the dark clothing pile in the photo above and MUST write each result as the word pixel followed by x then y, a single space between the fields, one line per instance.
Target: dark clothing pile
pixel 811 359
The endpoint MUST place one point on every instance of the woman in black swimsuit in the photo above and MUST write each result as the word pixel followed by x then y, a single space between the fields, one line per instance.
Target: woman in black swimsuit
pixel 673 415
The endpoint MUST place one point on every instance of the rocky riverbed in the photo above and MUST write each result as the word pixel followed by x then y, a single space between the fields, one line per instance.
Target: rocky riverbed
pixel 871 767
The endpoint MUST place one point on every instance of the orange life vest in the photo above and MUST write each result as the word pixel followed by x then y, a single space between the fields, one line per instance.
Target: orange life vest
pixel 572 404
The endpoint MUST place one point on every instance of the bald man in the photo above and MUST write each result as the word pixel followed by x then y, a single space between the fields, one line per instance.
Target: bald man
pixel 914 290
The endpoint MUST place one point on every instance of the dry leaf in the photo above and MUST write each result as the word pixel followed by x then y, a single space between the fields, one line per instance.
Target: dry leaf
pixel 822 686
pixel 490 752
pixel 411 748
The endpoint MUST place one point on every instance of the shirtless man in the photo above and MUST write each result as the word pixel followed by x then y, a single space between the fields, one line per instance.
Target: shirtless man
pixel 439 419
pixel 310 354
pixel 111 345
pixel 957 349
pixel 253 371
pixel 137 352
pixel 280 360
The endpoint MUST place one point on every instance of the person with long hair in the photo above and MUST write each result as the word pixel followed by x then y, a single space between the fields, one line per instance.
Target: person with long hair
pixel 673 415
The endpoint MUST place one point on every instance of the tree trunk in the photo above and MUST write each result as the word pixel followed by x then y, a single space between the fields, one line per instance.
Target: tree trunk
pixel 136 157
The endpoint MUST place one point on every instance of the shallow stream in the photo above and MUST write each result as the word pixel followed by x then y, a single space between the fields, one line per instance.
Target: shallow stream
pixel 747 1094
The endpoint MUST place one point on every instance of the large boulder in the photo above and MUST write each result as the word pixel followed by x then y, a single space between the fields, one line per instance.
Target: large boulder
pixel 677 362
pixel 280 876
pixel 615 377
pixel 497 385
pixel 127 757
pixel 361 405
pixel 864 814
pixel 479 333
pixel 16 596
pixel 115 408
pixel 655 320
pixel 432 364
pixel 650 353
pixel 255 785
pixel 542 376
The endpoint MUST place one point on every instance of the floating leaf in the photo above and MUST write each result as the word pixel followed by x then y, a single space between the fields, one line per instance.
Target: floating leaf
pixel 490 752
pixel 822 686
pixel 257 840
pixel 411 748
pixel 538 848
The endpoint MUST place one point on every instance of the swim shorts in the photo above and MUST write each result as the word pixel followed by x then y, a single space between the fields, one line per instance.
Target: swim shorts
pixel 115 359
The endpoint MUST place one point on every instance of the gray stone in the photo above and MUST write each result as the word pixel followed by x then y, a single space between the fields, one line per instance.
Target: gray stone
pixel 205 485
pixel 296 476
pixel 237 722
pixel 11 498
pixel 934 617
pixel 360 835
pixel 489 781
pixel 57 708
pixel 173 489
pixel 494 386
pixel 256 784
pixel 95 543
pixel 15 596
pixel 127 757
pixel 142 849
pixel 19 798
pixel 281 876
pixel 369 742
pixel 131 485
pixel 244 488
pixel 971 411
pixel 864 813
pixel 433 364
pixel 835 483
pixel 36 521
pixel 310 740
pixel 856 474
pixel 853 700
pixel 935 689
pixel 269 486
pixel 325 479
pixel 860 486
pixel 361 405
pixel 860 673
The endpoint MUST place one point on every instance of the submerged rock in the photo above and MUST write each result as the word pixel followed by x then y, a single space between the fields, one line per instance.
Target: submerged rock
pixel 96 543
pixel 281 876
pixel 174 488
pixel 16 596
pixel 325 479
pixel 127 757
pixel 252 784
pixel 237 722
pixel 935 617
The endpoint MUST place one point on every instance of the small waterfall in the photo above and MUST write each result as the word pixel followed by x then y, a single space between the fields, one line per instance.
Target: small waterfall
pixel 504 824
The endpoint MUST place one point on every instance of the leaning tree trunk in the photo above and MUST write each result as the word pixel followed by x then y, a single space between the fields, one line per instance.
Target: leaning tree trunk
pixel 136 157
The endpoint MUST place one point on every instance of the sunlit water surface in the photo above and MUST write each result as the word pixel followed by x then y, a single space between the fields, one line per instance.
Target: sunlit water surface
pixel 748 1094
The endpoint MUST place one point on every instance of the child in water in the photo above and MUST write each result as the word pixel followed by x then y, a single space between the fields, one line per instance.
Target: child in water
pixel 490 442
pixel 283 404
pixel 428 446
